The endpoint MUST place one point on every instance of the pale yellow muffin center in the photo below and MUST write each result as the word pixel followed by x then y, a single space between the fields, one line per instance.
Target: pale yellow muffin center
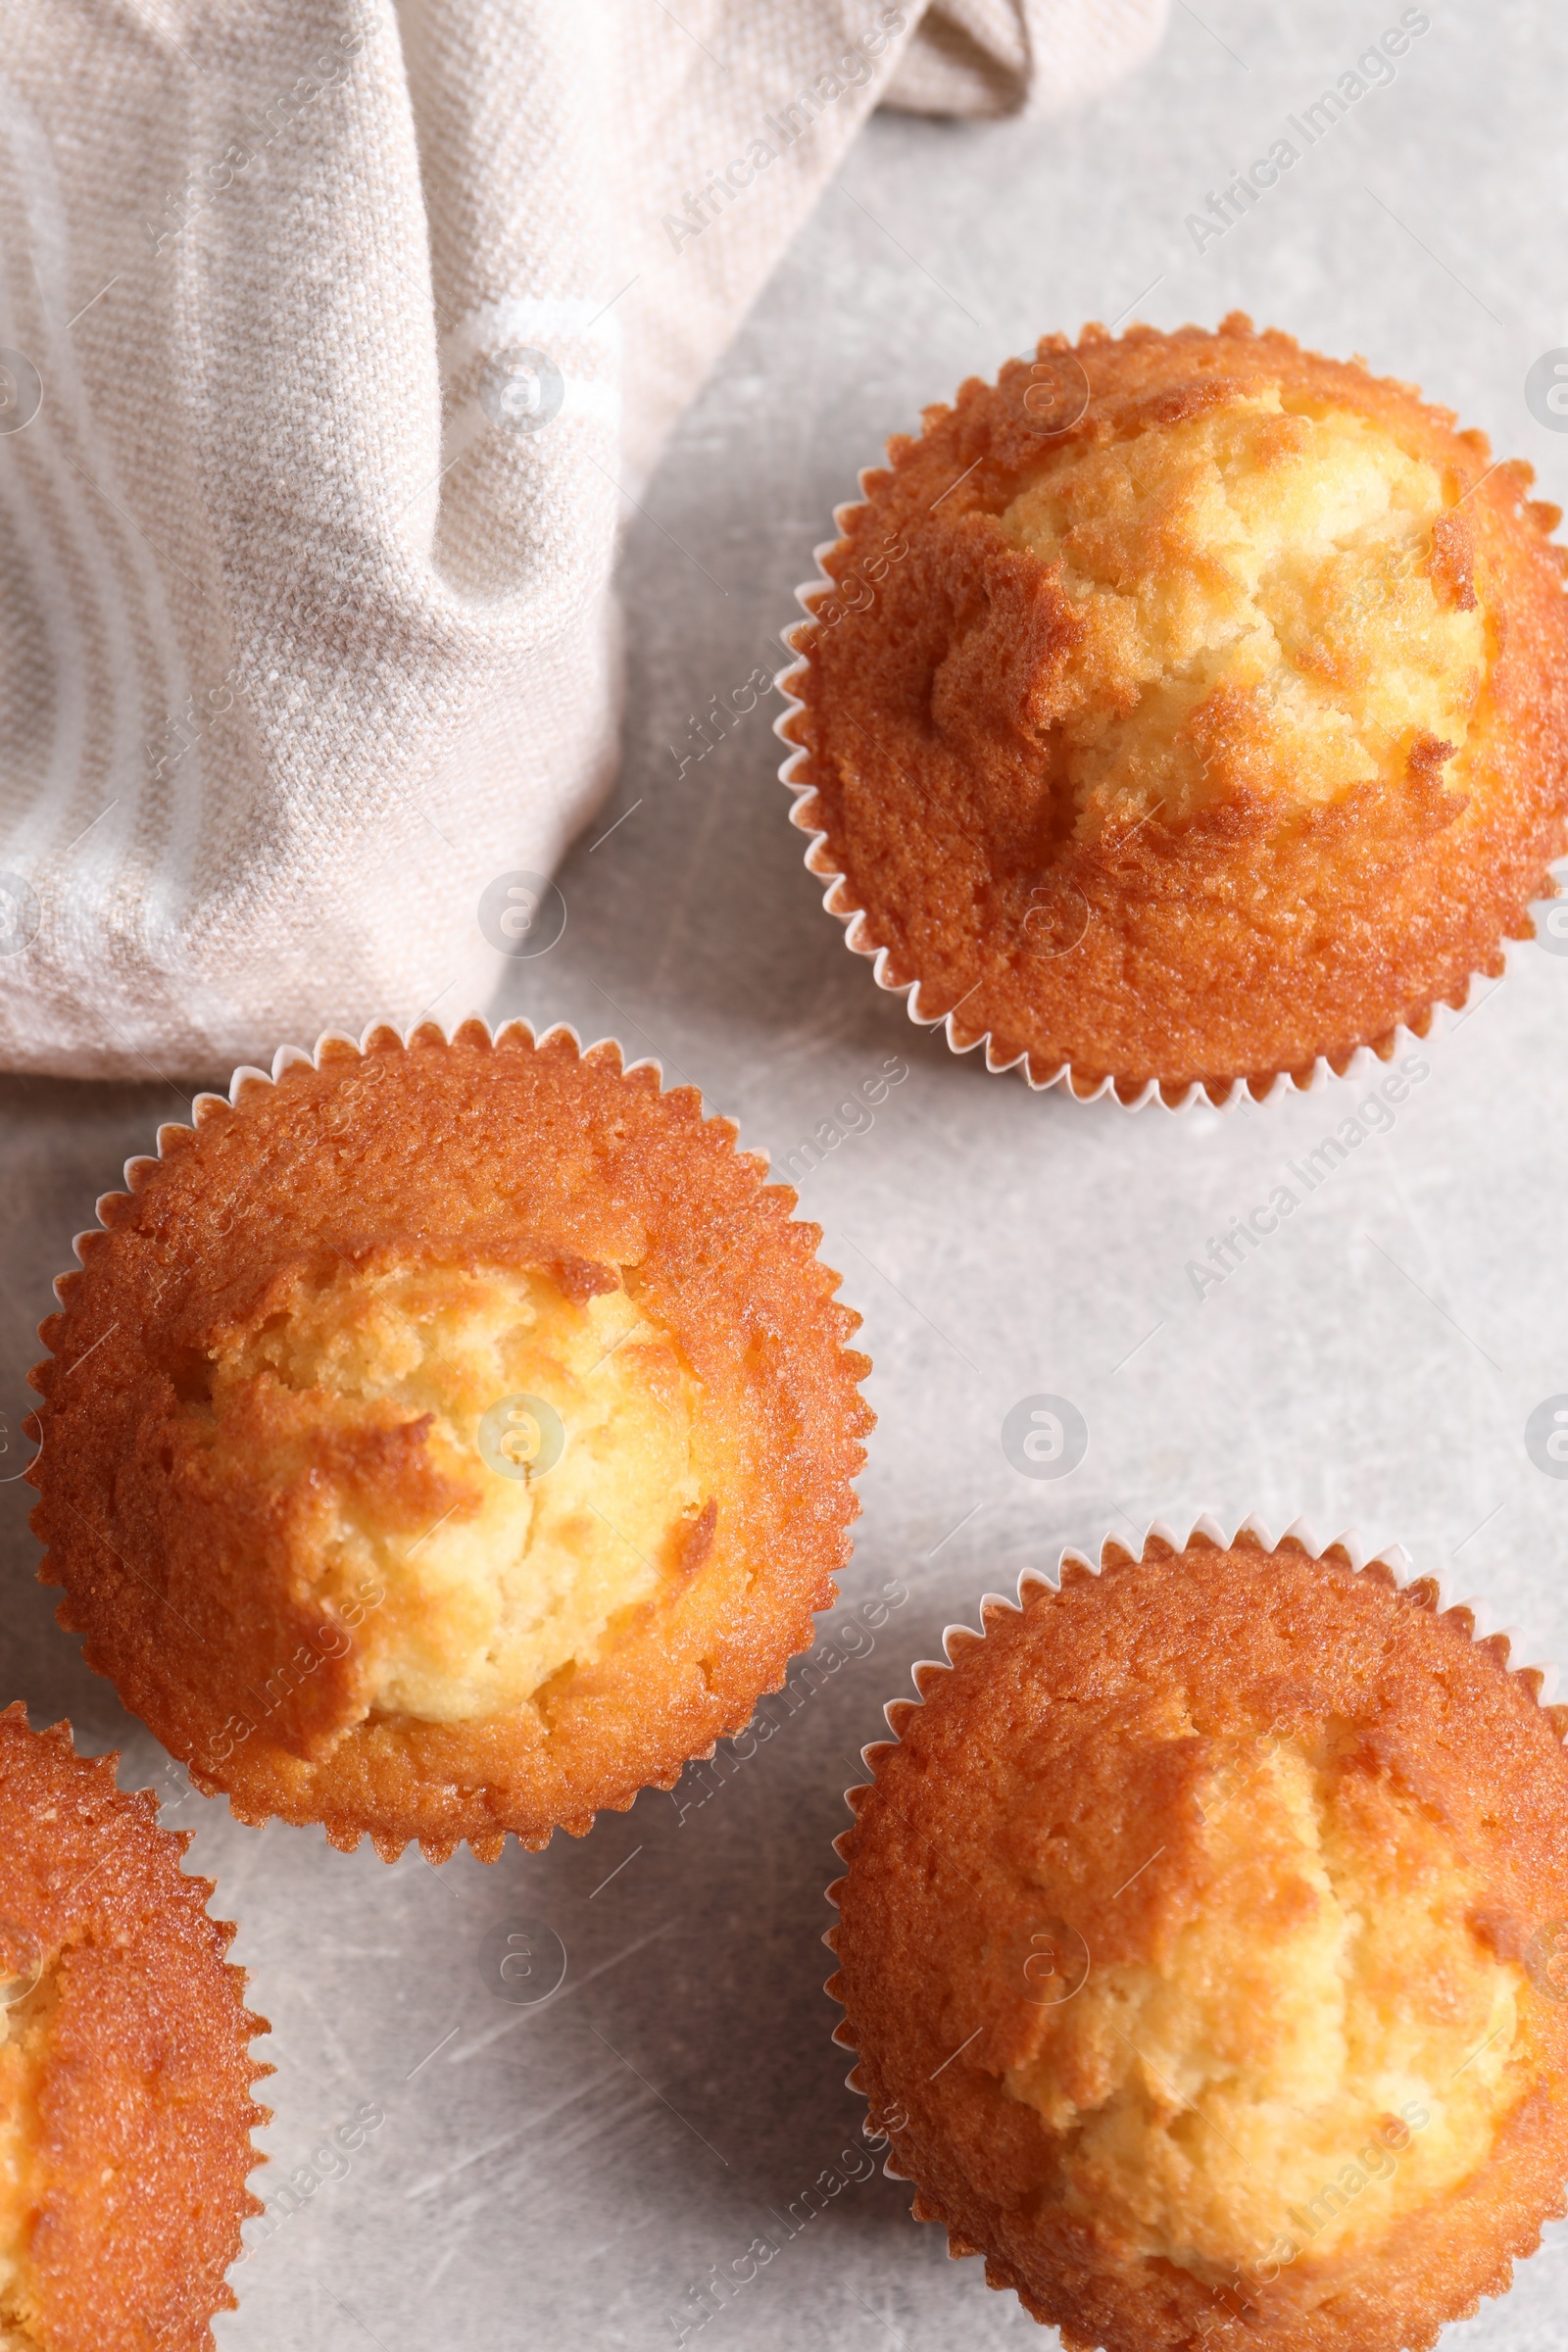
pixel 1323 2047
pixel 1271 606
pixel 555 1447
pixel 23 2031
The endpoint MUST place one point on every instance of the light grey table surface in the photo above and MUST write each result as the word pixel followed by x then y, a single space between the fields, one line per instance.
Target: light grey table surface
pixel 561 2174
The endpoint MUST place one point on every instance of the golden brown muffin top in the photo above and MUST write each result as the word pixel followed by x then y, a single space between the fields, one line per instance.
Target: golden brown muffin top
pixel 126 2073
pixel 447 1439
pixel 1218 729
pixel 1200 1943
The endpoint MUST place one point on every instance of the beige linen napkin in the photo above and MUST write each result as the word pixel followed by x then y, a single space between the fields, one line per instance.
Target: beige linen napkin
pixel 334 335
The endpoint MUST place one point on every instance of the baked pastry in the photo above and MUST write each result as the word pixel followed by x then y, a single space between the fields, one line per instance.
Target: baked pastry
pixel 1203 1946
pixel 1184 710
pixel 126 2073
pixel 447 1439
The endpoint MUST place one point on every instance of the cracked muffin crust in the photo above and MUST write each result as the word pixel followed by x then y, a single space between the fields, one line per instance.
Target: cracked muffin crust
pixel 1220 728
pixel 126 2072
pixel 1202 1945
pixel 447 1439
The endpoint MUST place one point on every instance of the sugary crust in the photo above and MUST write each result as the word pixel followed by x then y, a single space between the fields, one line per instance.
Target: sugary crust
pixel 144 2093
pixel 1194 961
pixel 1248 1640
pixel 473 1150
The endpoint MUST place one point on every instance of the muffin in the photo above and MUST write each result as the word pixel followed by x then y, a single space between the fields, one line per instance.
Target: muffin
pixel 1184 710
pixel 446 1439
pixel 1201 1946
pixel 126 2073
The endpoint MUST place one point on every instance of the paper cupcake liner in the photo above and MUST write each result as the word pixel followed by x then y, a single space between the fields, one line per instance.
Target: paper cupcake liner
pixel 339 1045
pixel 1358 1068
pixel 1471 1616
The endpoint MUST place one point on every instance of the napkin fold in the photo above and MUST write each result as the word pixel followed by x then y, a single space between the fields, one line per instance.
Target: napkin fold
pixel 335 343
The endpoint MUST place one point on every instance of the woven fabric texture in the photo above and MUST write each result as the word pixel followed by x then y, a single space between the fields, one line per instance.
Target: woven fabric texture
pixel 335 343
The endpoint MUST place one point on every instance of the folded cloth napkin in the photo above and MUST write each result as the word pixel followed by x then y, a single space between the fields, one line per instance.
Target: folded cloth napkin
pixel 334 337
